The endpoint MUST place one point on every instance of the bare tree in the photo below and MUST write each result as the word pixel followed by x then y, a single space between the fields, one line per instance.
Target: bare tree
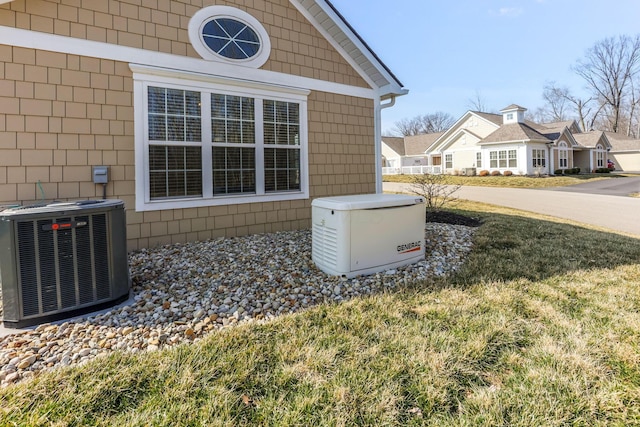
pixel 477 103
pixel 563 105
pixel 408 127
pixel 557 108
pixel 437 122
pixel 608 68
pixel 428 123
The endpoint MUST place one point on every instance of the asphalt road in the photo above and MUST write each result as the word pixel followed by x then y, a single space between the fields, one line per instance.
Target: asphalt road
pixel 612 187
pixel 614 212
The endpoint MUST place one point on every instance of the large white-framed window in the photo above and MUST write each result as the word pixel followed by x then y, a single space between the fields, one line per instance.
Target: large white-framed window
pixel 448 161
pixel 563 155
pixel 206 142
pixel 502 159
pixel 538 158
pixel 599 156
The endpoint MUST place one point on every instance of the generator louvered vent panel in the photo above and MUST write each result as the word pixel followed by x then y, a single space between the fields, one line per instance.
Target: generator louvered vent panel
pixel 65 269
pixel 324 244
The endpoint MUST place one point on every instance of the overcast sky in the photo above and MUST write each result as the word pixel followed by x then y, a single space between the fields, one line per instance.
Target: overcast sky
pixel 446 51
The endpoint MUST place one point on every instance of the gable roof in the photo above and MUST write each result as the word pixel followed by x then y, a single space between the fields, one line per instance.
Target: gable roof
pixel 621 142
pixel 419 144
pixel 591 139
pixel 339 33
pixel 326 19
pixel 395 143
pixel 514 132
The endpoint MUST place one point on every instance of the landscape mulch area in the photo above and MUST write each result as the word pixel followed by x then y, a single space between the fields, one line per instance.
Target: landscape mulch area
pixel 446 217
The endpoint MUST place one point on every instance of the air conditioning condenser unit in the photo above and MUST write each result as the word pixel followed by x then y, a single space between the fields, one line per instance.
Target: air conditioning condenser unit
pixel 62 259
pixel 366 234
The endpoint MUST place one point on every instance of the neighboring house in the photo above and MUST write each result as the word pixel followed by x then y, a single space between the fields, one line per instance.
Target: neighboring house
pixel 408 154
pixel 214 120
pixel 507 142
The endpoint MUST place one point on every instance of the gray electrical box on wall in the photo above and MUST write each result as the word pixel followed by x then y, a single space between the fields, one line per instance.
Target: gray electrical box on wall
pixel 101 174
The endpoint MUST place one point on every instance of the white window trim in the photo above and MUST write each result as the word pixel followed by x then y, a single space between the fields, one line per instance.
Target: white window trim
pixel 201 17
pixel 254 90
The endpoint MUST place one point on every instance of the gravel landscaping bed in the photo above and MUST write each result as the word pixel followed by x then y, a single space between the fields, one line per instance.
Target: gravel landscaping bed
pixel 182 292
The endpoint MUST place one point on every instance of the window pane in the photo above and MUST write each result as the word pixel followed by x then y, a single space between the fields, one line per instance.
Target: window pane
pixel 294 113
pixel 233 107
pixel 281 123
pixel 294 135
pixel 232 119
pixel 269 133
pixel 248 112
pixel 174 115
pixel 156 99
pixel 175 171
pixel 248 133
pixel 157 128
pixel 175 102
pixel 218 131
pixel 282 169
pixel 233 170
pixel 193 130
pixel 175 128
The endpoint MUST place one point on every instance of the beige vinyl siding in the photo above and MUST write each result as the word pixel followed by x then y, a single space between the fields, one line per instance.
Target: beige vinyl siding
pixel 162 26
pixel 60 114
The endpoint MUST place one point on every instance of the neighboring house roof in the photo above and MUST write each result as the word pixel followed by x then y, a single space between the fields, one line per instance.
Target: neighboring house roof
pixel 493 118
pixel 591 139
pixel 395 143
pixel 417 145
pixel 414 145
pixel 514 132
pixel 622 142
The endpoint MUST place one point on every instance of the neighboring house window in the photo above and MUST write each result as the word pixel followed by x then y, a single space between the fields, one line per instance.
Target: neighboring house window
pixel 215 145
pixel 563 155
pixel 448 161
pixel 503 159
pixel 539 158
pixel 479 160
pixel 509 116
pixel 599 156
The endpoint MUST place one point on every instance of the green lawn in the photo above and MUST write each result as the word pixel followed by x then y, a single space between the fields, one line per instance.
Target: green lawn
pixel 541 327
pixel 512 181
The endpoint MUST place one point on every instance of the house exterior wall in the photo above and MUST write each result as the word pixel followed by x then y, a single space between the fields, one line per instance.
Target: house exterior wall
pixel 478 126
pixel 415 161
pixel 62 113
pixel 162 26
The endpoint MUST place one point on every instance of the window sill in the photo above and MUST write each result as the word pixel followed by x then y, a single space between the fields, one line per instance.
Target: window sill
pixel 186 203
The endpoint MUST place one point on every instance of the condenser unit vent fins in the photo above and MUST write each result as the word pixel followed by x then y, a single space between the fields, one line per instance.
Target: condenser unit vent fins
pixel 62 261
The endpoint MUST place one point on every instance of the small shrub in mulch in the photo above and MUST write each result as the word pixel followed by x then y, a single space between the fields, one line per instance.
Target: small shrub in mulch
pixel 446 217
pixel 484 173
pixel 495 173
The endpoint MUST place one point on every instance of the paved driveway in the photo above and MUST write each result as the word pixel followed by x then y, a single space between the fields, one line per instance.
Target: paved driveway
pixel 612 212
pixel 622 186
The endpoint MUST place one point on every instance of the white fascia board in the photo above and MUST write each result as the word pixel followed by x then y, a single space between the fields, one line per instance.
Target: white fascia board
pixel 54 43
pixel 387 91
pixel 5 1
